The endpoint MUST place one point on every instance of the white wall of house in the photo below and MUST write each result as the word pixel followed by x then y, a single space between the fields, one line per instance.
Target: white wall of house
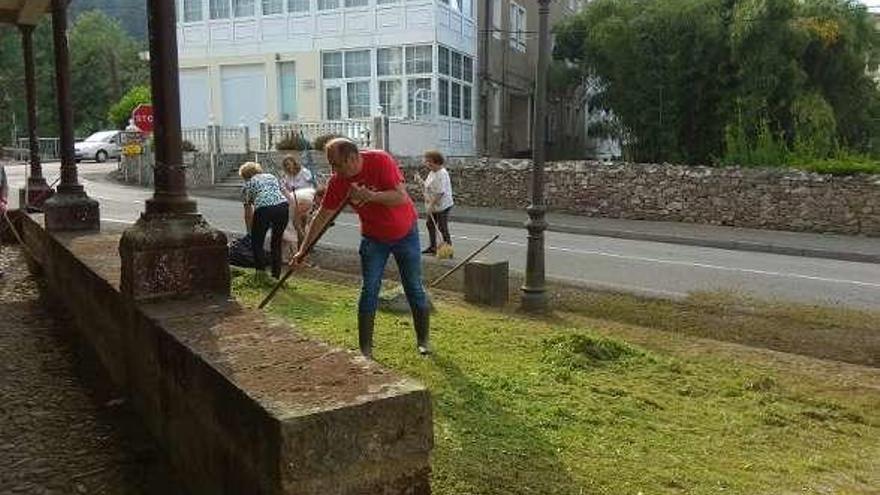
pixel 331 59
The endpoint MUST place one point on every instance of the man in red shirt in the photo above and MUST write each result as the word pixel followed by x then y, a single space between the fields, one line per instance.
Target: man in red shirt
pixel 370 180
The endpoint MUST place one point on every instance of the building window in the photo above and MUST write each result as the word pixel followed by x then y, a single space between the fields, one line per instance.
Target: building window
pixel 496 19
pixel 419 59
pixel 328 4
pixel 332 63
pixel 357 64
pixel 219 9
pixel 454 85
pixel 272 7
pixel 298 5
pixel 192 10
pixel 463 6
pixel 443 97
pixel 517 27
pixel 456 101
pixel 389 61
pixel 334 103
pixel 243 8
pixel 391 97
pixel 418 97
pixel 456 65
pixel 358 99
pixel 443 60
pixel 357 3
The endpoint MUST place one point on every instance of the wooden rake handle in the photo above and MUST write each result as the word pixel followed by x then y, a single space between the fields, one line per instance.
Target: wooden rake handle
pixel 462 262
pixel 17 236
pixel 308 250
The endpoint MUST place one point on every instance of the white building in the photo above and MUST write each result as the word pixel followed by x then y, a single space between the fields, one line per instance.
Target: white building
pixel 243 61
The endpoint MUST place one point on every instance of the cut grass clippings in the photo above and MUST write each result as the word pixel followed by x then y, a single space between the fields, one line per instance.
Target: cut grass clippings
pixel 547 406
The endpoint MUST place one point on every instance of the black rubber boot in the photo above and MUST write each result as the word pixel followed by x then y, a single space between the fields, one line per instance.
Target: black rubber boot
pixel 366 322
pixel 422 324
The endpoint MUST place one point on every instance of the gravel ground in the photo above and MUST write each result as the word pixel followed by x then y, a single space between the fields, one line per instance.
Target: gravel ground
pixel 63 428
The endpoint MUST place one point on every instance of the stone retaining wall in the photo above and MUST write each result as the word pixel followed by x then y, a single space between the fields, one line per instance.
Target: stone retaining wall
pixel 139 169
pixel 241 404
pixel 763 198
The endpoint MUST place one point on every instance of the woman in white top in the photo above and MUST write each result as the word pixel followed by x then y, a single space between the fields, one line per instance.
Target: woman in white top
pixel 438 198
pixel 299 187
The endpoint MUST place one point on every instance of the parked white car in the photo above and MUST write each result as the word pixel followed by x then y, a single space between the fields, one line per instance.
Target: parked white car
pixel 99 146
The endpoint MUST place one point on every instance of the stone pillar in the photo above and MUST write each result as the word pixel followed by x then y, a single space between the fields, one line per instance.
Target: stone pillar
pixel 70 208
pixel 171 251
pixel 37 191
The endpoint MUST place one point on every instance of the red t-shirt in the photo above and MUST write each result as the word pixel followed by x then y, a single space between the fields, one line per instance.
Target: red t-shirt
pixel 379 173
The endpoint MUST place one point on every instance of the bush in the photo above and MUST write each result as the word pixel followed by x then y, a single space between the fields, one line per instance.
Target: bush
pixel 322 141
pixel 841 164
pixel 292 142
pixel 120 113
pixel 187 146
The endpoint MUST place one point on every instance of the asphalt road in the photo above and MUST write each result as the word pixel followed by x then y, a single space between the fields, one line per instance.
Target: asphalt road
pixel 636 266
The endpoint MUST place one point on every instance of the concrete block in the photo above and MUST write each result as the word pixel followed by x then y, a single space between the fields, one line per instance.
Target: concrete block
pixel 173 257
pixel 485 282
pixel 71 212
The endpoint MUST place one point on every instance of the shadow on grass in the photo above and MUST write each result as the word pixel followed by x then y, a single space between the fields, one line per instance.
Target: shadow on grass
pixel 472 421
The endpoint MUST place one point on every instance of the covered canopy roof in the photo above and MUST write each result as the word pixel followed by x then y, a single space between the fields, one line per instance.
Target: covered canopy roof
pixel 28 12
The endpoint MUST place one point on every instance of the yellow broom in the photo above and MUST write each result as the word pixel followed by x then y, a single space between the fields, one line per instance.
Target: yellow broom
pixel 444 249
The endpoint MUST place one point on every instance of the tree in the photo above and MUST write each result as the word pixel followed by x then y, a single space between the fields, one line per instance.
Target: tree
pixel 120 113
pixel 684 77
pixel 12 90
pixel 659 65
pixel 105 63
pixel 131 14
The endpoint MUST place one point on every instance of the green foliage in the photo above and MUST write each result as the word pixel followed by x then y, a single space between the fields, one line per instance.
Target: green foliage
pixel 689 80
pixel 132 14
pixel 815 128
pixel 104 64
pixel 842 163
pixel 12 91
pixel 120 113
pixel 759 148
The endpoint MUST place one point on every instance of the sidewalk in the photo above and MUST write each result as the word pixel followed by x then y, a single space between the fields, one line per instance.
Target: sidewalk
pixel 832 246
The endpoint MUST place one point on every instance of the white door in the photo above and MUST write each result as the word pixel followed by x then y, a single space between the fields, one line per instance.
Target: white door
pixel 243 89
pixel 195 101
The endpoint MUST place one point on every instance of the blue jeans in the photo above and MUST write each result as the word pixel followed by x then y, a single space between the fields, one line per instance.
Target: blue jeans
pixel 408 255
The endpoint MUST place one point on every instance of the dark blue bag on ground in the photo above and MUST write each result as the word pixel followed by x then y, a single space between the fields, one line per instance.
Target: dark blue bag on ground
pixel 241 252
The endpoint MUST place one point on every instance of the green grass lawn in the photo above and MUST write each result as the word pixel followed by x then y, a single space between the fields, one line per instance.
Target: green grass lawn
pixel 565 405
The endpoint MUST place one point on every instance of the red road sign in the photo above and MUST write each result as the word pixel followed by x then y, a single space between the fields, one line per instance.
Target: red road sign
pixel 142 116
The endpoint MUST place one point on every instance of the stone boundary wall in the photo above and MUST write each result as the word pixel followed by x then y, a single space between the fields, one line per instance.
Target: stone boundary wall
pixel 762 198
pixel 139 169
pixel 240 403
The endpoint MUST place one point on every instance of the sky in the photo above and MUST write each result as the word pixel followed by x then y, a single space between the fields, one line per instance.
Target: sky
pixel 873 4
